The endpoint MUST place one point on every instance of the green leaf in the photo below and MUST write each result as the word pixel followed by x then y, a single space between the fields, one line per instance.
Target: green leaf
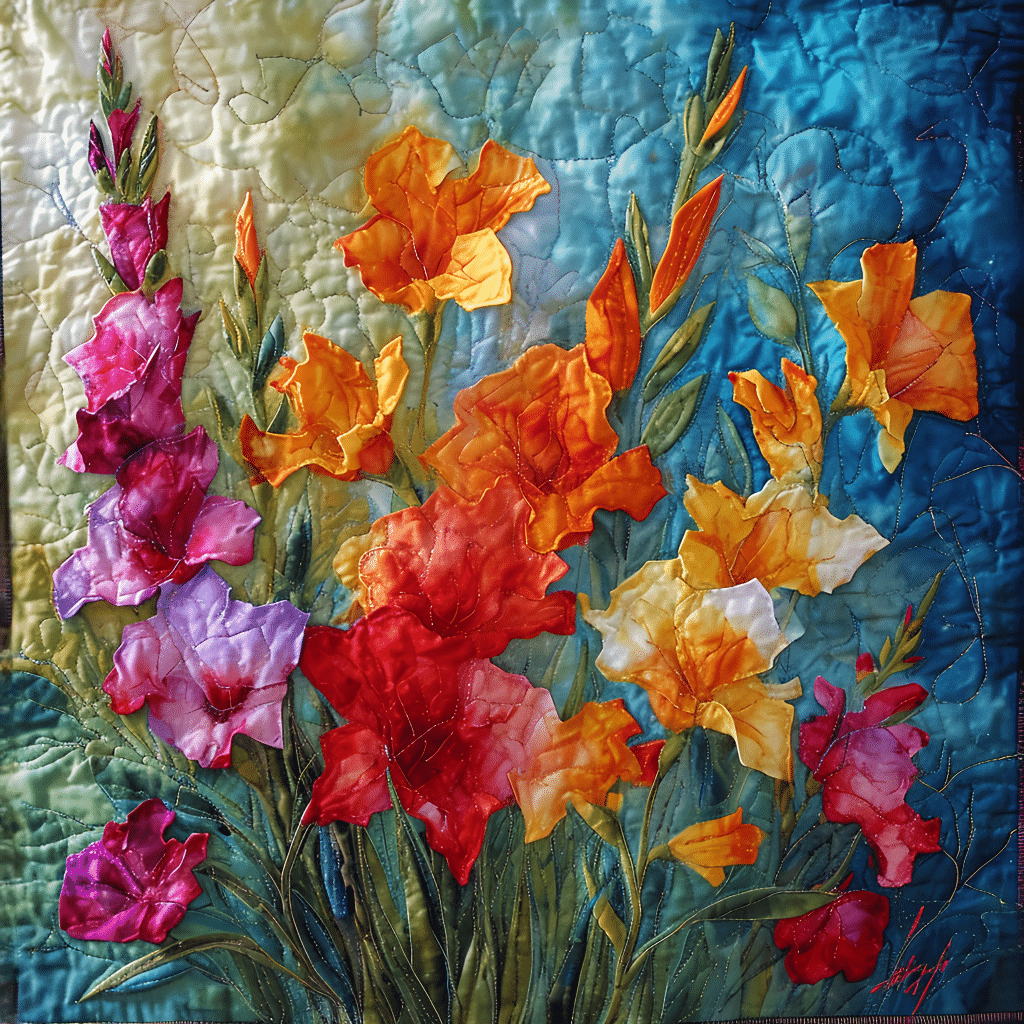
pixel 719 62
pixel 279 424
pixel 672 416
pixel 563 992
pixel 574 701
pixel 232 941
pixel 638 251
pixel 246 306
pixel 106 182
pixel 766 904
pixel 798 230
pixel 261 288
pixel 883 656
pixel 727 459
pixel 759 249
pixel 771 310
pixel 156 270
pixel 270 351
pixel 108 273
pixel 601 821
pixel 298 551
pixel 517 972
pixel 124 97
pixel 610 923
pixel 124 169
pixel 231 329
pixel 149 160
pixel 695 121
pixel 678 351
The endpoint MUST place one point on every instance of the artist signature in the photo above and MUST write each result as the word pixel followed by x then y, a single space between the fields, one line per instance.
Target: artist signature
pixel 911 976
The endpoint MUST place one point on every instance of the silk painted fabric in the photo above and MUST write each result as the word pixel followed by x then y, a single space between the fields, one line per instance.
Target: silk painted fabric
pixel 513 511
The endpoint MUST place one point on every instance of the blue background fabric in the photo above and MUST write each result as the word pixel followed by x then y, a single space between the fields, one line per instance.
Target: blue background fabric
pixel 880 122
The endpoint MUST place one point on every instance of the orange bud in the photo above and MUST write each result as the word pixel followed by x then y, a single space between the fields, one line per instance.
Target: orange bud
pixel 690 228
pixel 247 250
pixel 726 109
pixel 613 323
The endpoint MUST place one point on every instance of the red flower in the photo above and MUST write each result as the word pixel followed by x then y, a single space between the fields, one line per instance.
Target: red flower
pixel 133 883
pixel 845 935
pixel 448 730
pixel 866 770
pixel 134 233
pixel 464 569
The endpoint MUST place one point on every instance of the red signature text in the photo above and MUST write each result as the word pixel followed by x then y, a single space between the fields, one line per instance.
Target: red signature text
pixel 910 976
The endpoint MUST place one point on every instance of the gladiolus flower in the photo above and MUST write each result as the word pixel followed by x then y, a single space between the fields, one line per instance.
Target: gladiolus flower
pixel 902 354
pixel 613 323
pixel 689 232
pixel 434 235
pixel 787 424
pixel 698 655
pixel 464 570
pixel 782 536
pixel 448 731
pixel 725 109
pixel 865 768
pixel 97 152
pixel 156 525
pixel 543 424
pixel 247 250
pixel 710 846
pixel 209 667
pixel 134 234
pixel 122 128
pixel 575 762
pixel 344 417
pixel 133 883
pixel 131 369
pixel 843 936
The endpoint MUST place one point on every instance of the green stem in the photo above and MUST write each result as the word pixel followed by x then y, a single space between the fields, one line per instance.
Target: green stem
pixel 428 330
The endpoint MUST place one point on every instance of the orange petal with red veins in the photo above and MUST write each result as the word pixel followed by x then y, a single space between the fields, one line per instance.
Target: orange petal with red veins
pixel 613 323
pixel 689 232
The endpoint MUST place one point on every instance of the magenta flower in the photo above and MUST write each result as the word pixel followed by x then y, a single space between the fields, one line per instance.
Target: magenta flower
pixel 210 668
pixel 156 525
pixel 866 769
pixel 133 883
pixel 97 152
pixel 448 730
pixel 122 128
pixel 134 233
pixel 131 368
pixel 845 935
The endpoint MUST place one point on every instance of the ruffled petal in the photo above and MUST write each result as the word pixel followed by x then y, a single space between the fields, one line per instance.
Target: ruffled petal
pixel 710 846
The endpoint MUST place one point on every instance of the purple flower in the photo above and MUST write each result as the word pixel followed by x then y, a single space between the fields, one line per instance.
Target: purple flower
pixel 97 153
pixel 134 233
pixel 131 369
pixel 133 883
pixel 210 667
pixel 122 128
pixel 156 525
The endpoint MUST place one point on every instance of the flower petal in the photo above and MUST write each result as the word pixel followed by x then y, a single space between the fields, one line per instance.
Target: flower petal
pixel 247 250
pixel 478 272
pixel 710 846
pixel 613 323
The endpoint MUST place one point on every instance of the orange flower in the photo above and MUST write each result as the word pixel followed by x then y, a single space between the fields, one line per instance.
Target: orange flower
pixel 712 845
pixel 689 232
pixel 725 109
pixel 902 354
pixel 434 235
pixel 698 655
pixel 344 418
pixel 247 250
pixel 782 536
pixel 576 761
pixel 613 323
pixel 542 422
pixel 787 424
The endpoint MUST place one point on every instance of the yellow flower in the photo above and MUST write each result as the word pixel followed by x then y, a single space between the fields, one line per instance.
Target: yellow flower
pixel 698 655
pixel 434 234
pixel 782 536
pixel 902 354
pixel 787 424
pixel 712 845
pixel 344 417
pixel 576 762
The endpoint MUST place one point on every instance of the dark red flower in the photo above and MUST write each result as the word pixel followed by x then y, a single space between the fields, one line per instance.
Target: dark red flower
pixel 448 730
pixel 845 935
pixel 464 569
pixel 134 233
pixel 97 152
pixel 133 883
pixel 866 770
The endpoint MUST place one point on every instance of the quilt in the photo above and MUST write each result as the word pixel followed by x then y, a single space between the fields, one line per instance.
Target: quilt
pixel 513 511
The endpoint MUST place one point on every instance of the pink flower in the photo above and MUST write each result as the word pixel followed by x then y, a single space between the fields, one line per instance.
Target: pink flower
pixel 131 369
pixel 133 883
pixel 156 525
pixel 448 730
pixel 122 128
pixel 866 770
pixel 134 233
pixel 845 935
pixel 210 668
